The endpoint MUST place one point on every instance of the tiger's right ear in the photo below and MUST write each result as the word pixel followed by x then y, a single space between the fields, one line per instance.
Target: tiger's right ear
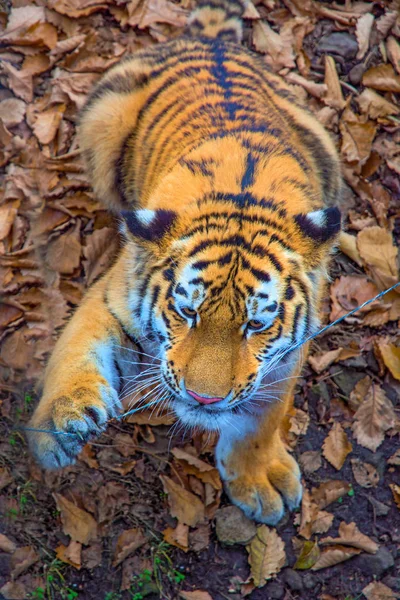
pixel 147 225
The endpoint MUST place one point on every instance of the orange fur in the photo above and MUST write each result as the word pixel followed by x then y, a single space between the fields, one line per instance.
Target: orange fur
pixel 223 182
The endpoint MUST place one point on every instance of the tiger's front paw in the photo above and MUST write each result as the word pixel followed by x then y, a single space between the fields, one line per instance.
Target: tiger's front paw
pixel 263 492
pixel 74 419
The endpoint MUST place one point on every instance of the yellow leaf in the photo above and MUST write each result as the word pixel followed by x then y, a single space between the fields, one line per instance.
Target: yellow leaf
pixel 266 555
pixel 337 446
pixel 178 537
pixel 374 416
pixel 309 555
pixel 396 493
pixel 71 555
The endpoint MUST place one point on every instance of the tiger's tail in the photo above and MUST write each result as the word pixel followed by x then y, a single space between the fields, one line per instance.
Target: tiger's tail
pixel 217 19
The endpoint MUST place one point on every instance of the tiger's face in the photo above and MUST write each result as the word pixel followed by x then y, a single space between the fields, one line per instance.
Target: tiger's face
pixel 225 310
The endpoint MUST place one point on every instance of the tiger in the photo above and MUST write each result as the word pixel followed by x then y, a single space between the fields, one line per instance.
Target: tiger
pixel 226 190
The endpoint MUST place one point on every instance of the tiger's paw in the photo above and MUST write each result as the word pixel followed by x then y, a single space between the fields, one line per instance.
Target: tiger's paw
pixel 263 493
pixel 74 419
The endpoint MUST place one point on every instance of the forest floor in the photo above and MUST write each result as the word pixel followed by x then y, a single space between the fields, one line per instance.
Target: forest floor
pixel 142 514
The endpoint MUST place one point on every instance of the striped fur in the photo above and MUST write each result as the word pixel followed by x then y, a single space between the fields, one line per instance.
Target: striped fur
pixel 226 191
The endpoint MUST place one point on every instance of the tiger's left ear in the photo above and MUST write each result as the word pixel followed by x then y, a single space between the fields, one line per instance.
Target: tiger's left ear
pixel 147 225
pixel 321 225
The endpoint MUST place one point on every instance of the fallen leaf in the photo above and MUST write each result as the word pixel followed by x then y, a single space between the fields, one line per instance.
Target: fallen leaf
pixel 320 362
pixel 299 422
pixel 363 33
pixel 92 556
pixel 46 123
pixel 395 458
pixel 308 556
pixel 77 523
pixel 278 46
pixel 393 50
pixel 375 105
pixel 358 134
pixel 178 537
pixel 379 254
pixel 202 470
pixel 99 251
pixel 310 461
pixel 63 254
pixel 349 535
pixel 390 355
pixel 382 77
pixel 13 590
pixel 365 474
pixel 128 541
pixel 373 418
pixel 334 96
pixel 348 245
pixel 71 555
pixel 12 111
pixel 396 493
pixel 7 545
pixel 195 595
pixel 184 505
pixel 7 217
pixel 350 291
pixel 329 492
pixel 266 555
pixel 357 395
pixel 333 556
pixel 22 559
pixel 377 590
pixel 336 446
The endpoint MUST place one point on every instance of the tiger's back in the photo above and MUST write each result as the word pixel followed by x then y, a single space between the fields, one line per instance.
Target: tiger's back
pixel 203 115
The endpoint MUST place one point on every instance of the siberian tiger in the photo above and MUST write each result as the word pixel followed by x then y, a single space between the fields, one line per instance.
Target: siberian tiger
pixel 225 189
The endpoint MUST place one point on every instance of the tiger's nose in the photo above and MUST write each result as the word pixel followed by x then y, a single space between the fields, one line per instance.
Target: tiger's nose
pixel 203 399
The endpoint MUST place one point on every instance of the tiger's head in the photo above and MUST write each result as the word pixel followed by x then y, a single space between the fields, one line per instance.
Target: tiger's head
pixel 225 294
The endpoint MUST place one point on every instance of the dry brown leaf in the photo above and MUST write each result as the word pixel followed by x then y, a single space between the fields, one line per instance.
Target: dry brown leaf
pixel 382 77
pixel 377 590
pixel 396 493
pixel 195 595
pixel 333 556
pixel 395 459
pixel 318 90
pixel 357 137
pixel 184 505
pixel 313 519
pixel 202 470
pixel 299 422
pixel 349 535
pixel 375 106
pixel 13 590
pixel 46 123
pixel 348 245
pixel 336 446
pixel 128 541
pixel 330 491
pixel 310 461
pixel 63 254
pixel 22 559
pixel 178 537
pixel 12 111
pixel 278 46
pixel 334 96
pixel 7 217
pixel 390 355
pixel 374 416
pixel 19 82
pixel 393 50
pixel 7 545
pixel 363 33
pixel 77 523
pixel 320 362
pixel 266 555
pixel 357 395
pixel 365 474
pixel 350 291
pixel 99 251
pixel 77 8
pixel 71 555
pixel 379 254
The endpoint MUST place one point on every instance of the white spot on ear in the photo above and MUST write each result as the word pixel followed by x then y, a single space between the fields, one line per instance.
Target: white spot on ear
pixel 145 216
pixel 318 218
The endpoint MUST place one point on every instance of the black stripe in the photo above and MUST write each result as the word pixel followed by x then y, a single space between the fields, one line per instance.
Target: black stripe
pixel 295 324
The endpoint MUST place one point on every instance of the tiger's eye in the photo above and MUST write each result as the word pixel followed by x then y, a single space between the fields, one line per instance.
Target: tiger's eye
pixel 189 312
pixel 256 325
